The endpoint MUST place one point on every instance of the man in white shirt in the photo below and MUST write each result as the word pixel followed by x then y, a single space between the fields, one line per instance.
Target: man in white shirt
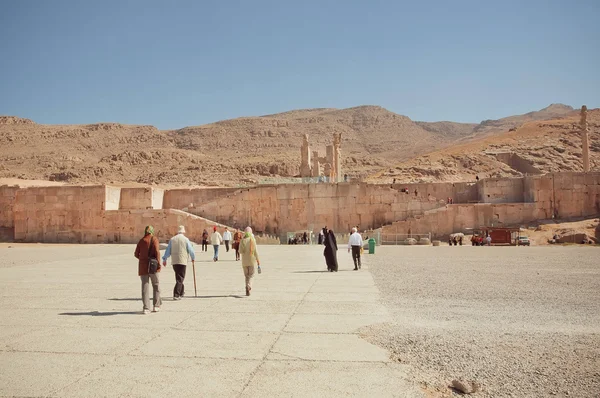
pixel 355 243
pixel 215 240
pixel 226 238
pixel 180 250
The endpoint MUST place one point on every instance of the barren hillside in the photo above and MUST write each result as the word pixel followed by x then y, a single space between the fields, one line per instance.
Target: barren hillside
pixel 535 147
pixel 230 152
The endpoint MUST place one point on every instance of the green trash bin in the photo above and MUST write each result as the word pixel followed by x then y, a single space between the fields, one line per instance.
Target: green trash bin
pixel 371 246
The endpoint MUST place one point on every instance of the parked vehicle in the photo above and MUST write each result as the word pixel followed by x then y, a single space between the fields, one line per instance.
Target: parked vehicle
pixel 523 241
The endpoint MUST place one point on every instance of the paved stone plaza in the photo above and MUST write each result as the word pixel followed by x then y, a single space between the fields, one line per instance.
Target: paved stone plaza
pixel 71 326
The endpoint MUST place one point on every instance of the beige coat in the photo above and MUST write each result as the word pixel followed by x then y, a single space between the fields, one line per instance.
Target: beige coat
pixel 249 260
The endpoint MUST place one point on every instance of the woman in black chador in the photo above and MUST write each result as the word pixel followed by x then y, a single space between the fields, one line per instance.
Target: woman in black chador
pixel 330 251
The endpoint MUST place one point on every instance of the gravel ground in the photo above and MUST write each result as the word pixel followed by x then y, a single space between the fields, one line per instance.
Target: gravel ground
pixel 520 321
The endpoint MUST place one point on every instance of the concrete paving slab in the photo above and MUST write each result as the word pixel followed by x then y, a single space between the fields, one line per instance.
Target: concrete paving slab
pixel 336 307
pixel 331 323
pixel 255 306
pixel 209 344
pixel 176 377
pixel 35 374
pixel 326 347
pixel 219 344
pixel 93 318
pixel 343 296
pixel 80 340
pixel 243 322
pixel 330 379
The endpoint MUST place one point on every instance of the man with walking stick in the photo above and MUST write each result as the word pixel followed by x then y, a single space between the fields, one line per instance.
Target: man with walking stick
pixel 180 249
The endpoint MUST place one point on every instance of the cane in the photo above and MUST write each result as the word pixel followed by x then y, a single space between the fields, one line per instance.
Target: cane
pixel 194 270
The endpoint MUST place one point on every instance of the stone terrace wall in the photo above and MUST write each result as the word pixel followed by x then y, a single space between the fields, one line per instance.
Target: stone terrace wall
pixel 60 214
pixel 127 226
pixel 501 190
pixel 293 207
pixel 141 198
pixel 459 192
pixel 576 194
pixel 182 198
pixel 7 203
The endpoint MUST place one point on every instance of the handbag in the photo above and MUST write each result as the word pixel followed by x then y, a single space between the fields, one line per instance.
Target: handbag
pixel 152 262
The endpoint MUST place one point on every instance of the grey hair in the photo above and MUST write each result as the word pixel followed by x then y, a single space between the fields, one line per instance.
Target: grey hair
pixel 354 230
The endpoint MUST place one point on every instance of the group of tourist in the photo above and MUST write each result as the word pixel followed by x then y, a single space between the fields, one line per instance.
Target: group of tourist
pixel 328 239
pixel 180 250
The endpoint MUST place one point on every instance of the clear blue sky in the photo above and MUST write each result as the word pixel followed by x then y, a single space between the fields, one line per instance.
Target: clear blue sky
pixel 179 63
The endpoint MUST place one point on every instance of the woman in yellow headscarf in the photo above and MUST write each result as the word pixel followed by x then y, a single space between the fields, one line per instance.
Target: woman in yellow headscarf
pixel 249 257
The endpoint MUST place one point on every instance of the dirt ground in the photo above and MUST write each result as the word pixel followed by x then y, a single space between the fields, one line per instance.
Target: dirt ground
pixel 520 321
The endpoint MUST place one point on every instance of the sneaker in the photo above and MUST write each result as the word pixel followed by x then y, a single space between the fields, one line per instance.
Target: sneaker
pixel 176 298
pixel 156 309
pixel 146 312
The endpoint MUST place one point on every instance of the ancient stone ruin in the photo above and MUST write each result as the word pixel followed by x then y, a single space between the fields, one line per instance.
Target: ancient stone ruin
pixel 585 140
pixel 330 166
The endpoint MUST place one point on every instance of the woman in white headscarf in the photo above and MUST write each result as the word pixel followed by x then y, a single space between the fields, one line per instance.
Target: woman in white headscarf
pixel 249 257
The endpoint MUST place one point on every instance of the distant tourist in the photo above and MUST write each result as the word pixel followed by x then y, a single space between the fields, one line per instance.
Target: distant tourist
pixel 204 240
pixel 226 239
pixel 321 237
pixel 355 243
pixel 330 251
pixel 305 238
pixel 215 240
pixel 250 258
pixel 476 178
pixel 146 250
pixel 488 240
pixel 180 250
pixel 237 237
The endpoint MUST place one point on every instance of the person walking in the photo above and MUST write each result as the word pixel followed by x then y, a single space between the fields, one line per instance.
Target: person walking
pixel 355 243
pixel 237 237
pixel 330 251
pixel 204 240
pixel 226 239
pixel 180 249
pixel 321 237
pixel 249 257
pixel 148 249
pixel 215 240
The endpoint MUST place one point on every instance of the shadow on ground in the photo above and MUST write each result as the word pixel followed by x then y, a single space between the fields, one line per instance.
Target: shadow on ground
pixel 98 313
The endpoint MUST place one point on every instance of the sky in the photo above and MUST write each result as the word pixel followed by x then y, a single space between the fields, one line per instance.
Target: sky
pixel 182 63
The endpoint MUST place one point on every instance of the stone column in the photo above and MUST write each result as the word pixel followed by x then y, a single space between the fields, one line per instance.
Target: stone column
pixel 584 140
pixel 330 160
pixel 305 164
pixel 337 156
pixel 316 165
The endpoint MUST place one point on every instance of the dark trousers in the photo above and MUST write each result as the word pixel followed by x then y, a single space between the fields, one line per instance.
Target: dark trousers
pixel 226 245
pixel 179 289
pixel 356 256
pixel 204 245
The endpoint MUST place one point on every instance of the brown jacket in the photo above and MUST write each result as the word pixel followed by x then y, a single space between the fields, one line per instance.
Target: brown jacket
pixel 141 253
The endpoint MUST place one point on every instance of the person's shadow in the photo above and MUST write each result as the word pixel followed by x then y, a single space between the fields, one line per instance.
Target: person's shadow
pixel 98 313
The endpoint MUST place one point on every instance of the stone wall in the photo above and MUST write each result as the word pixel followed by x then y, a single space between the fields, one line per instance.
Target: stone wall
pixel 7 203
pixel 501 190
pixel 182 198
pixel 140 198
pixel 60 214
pixel 292 207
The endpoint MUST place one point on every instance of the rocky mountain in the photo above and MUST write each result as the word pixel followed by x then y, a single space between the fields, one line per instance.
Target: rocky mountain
pixel 229 152
pixel 532 148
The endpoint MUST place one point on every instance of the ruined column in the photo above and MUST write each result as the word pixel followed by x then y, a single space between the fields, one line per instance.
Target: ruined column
pixel 337 156
pixel 329 156
pixel 316 165
pixel 305 163
pixel 584 140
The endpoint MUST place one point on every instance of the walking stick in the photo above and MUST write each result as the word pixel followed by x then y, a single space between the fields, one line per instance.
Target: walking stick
pixel 194 270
